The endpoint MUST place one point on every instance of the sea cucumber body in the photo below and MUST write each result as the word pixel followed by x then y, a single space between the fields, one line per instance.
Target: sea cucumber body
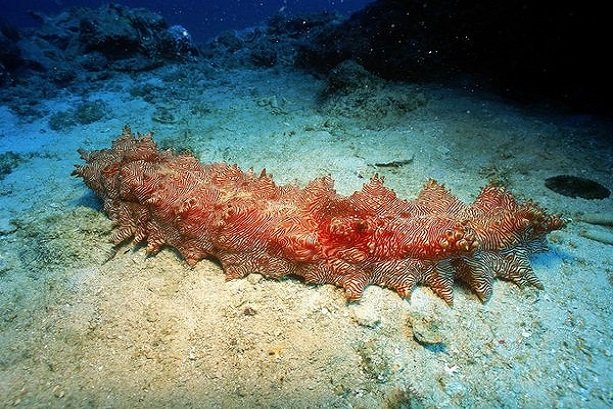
pixel 250 224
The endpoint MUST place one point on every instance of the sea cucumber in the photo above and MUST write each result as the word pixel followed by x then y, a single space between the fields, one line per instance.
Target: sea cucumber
pixel 250 224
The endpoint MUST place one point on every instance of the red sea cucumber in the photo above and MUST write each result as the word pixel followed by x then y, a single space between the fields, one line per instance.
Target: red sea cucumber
pixel 250 224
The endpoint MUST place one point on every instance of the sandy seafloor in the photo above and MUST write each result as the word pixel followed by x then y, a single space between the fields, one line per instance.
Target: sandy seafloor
pixel 80 328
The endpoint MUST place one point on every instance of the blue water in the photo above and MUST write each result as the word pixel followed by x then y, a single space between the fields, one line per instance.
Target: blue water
pixel 203 19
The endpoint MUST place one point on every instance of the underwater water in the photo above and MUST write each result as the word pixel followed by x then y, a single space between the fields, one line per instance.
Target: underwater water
pixel 154 279
pixel 205 19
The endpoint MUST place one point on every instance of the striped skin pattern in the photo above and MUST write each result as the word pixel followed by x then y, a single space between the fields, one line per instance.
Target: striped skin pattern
pixel 250 224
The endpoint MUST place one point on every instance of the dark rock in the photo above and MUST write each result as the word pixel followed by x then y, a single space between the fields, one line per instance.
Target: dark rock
pixel 137 64
pixel 529 51
pixel 573 186
pixel 269 45
pixel 120 32
pixel 61 75
pixel 176 42
pixel 5 76
pixel 93 61
pixel 349 76
pixel 385 37
pixel 81 46
pixel 263 57
pixel 229 41
pixel 115 39
pixel 10 54
pixel 110 37
pixel 10 32
pixel 353 92
pixel 300 26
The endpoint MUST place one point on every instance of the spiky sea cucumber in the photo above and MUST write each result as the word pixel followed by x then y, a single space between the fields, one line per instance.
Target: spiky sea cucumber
pixel 250 224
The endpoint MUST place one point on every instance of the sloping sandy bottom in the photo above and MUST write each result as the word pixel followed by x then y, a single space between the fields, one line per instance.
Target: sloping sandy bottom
pixel 81 326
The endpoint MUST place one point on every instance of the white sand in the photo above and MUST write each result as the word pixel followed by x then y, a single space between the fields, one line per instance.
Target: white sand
pixel 150 332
